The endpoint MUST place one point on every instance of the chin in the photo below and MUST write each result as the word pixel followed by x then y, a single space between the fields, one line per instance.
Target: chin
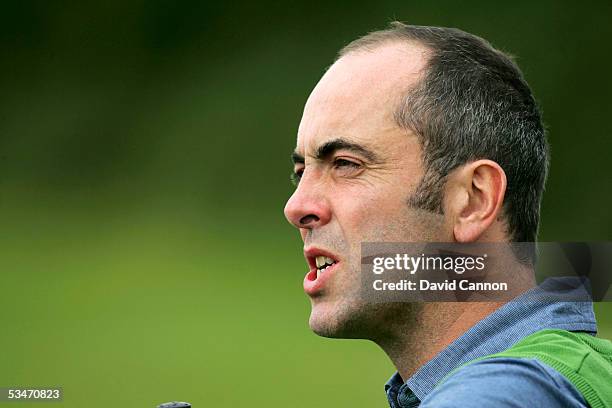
pixel 324 327
pixel 339 321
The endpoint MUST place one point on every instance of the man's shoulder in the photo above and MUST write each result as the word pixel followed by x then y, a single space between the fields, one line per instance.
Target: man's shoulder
pixel 506 382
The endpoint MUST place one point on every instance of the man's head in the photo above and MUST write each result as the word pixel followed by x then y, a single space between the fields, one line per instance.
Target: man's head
pixel 414 134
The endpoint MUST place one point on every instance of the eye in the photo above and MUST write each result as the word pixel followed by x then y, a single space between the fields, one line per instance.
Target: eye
pixel 296 176
pixel 346 167
pixel 344 163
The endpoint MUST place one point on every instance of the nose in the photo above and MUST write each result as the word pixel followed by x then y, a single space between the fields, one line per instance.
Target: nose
pixel 308 206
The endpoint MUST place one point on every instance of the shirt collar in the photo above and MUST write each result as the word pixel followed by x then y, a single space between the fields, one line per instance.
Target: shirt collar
pixel 495 333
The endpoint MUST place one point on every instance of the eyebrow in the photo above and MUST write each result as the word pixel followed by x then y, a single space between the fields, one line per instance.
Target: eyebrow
pixel 328 148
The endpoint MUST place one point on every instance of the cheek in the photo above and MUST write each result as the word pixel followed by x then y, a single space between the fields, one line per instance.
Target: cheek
pixel 374 216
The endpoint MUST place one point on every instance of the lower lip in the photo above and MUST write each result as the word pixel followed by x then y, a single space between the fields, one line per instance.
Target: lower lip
pixel 313 285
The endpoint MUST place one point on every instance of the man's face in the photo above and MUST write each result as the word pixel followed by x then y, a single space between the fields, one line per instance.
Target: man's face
pixel 357 169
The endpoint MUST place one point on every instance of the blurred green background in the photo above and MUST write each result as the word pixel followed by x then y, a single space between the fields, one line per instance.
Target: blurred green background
pixel 143 170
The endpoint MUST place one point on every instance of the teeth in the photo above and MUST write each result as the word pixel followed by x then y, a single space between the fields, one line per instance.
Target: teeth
pixel 320 261
pixel 323 262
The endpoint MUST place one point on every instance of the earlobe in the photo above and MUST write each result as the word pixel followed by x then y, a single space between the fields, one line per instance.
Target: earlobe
pixel 476 197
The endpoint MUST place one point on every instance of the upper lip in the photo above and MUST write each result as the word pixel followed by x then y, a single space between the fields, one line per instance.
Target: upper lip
pixel 311 253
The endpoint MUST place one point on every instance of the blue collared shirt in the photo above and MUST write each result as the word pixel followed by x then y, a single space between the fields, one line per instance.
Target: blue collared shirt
pixel 500 382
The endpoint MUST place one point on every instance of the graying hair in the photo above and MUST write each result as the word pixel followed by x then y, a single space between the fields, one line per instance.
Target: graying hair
pixel 472 103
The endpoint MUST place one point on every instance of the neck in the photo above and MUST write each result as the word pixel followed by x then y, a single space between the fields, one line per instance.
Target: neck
pixel 435 326
pixel 427 328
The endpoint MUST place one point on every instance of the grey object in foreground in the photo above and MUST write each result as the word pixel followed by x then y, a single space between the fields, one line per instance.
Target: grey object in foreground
pixel 175 404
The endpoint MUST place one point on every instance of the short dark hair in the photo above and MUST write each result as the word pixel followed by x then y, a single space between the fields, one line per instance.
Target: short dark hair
pixel 472 103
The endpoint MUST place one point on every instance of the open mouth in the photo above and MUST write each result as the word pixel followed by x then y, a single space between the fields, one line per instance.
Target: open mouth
pixel 322 266
pixel 322 263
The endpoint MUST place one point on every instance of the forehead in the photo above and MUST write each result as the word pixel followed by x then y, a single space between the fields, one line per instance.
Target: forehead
pixel 357 96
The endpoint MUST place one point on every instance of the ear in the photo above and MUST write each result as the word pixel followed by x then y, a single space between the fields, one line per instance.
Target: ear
pixel 474 198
